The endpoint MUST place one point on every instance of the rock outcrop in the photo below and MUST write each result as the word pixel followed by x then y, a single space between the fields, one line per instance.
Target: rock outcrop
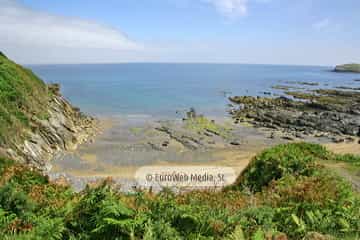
pixel 36 121
pixel 352 67
pixel 322 112
pixel 64 129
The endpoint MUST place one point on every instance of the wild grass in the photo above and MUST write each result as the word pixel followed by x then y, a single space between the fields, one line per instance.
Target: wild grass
pixel 353 161
pixel 22 95
pixel 293 197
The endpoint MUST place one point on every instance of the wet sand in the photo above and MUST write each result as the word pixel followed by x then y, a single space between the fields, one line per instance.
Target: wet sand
pixel 128 143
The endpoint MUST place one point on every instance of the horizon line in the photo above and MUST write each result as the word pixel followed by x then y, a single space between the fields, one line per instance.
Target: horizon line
pixel 161 62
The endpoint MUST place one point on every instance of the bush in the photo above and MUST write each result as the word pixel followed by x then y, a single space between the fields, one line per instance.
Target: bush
pixel 15 200
pixel 296 159
pixel 302 200
pixel 322 203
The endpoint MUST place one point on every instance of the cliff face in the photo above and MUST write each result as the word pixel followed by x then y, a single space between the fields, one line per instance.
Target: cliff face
pixel 36 122
pixel 353 67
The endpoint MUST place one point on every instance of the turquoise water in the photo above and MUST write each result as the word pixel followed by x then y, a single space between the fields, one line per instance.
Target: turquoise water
pixel 164 89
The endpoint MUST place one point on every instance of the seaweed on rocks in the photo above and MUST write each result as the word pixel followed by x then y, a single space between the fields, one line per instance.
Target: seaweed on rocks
pixel 331 112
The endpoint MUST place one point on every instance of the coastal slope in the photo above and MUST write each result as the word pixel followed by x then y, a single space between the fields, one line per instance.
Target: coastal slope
pixel 352 67
pixel 36 121
pixel 285 192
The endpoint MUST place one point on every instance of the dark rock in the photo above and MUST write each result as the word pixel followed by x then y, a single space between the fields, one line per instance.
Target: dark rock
pixel 348 88
pixel 187 141
pixel 206 133
pixel 287 138
pixel 54 88
pixel 191 113
pixel 76 109
pixel 2 55
pixel 299 135
pixel 281 87
pixel 155 147
pixel 338 140
pixel 303 83
pixel 235 143
pixel 325 111
pixel 212 132
pixel 272 135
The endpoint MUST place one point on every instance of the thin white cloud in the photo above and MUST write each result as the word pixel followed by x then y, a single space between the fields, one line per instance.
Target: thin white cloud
pixel 322 24
pixel 233 8
pixel 230 8
pixel 22 27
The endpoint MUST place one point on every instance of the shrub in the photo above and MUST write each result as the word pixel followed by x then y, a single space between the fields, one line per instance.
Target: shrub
pixel 302 200
pixel 15 200
pixel 297 159
pixel 323 203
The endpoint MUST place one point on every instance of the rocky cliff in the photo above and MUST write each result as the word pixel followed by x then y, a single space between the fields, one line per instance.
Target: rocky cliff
pixel 353 67
pixel 36 122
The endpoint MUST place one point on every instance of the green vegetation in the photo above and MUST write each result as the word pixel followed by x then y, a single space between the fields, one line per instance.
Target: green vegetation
pixel 200 124
pixel 22 95
pixel 323 97
pixel 352 67
pixel 352 161
pixel 280 161
pixel 284 191
pixel 136 130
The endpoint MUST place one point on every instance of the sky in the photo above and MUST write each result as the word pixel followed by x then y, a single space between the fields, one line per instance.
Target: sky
pixel 300 32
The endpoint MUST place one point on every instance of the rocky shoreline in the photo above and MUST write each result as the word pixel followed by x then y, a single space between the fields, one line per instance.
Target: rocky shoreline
pixel 331 113
pixel 63 130
pixel 351 68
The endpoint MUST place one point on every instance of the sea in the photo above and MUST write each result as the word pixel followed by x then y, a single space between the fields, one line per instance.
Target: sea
pixel 142 95
pixel 169 90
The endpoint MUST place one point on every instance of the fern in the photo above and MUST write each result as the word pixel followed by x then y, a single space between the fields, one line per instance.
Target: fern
pixel 160 231
pixel 238 234
pixel 259 235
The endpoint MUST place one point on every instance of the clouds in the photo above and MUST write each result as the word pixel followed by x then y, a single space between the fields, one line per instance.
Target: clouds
pixel 327 25
pixel 230 8
pixel 233 8
pixel 22 28
pixel 324 23
pixel 187 31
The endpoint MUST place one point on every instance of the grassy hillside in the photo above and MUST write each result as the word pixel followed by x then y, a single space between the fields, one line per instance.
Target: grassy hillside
pixel 283 194
pixel 22 95
pixel 348 68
